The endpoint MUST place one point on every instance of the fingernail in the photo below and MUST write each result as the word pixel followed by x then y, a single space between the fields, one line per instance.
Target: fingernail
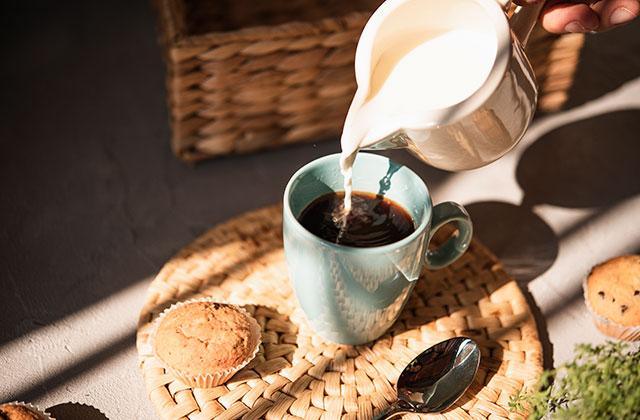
pixel 621 15
pixel 575 26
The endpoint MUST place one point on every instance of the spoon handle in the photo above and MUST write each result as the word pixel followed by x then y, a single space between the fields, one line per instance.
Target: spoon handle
pixel 390 412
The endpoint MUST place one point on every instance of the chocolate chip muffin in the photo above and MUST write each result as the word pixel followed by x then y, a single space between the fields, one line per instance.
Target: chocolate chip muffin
pixel 612 293
pixel 203 343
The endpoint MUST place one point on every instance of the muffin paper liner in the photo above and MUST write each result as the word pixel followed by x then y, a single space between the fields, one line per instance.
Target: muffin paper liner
pixel 42 413
pixel 209 379
pixel 609 327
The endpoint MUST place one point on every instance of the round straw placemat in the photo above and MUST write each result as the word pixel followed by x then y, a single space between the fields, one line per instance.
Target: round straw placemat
pixel 296 374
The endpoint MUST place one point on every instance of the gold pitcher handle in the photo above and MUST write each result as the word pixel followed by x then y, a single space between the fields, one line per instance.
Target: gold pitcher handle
pixel 523 20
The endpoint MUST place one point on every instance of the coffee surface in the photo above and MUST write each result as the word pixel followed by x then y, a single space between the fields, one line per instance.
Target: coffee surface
pixel 373 220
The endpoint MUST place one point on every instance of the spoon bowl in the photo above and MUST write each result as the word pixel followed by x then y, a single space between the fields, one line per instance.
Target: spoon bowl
pixel 436 378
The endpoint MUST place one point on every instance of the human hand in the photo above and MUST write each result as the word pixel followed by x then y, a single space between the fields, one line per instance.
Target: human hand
pixel 560 16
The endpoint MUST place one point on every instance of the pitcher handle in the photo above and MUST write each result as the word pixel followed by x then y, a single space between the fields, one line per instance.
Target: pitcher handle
pixel 456 245
pixel 524 19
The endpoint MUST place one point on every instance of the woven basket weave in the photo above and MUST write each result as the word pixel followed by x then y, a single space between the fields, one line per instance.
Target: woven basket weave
pixel 247 75
pixel 297 375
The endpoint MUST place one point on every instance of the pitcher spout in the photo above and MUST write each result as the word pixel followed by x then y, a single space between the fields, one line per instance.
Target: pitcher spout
pixel 395 140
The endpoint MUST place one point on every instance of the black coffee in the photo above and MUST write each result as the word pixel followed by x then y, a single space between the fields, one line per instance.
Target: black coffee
pixel 373 220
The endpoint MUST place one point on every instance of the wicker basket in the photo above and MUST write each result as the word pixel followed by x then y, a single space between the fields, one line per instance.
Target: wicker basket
pixel 236 87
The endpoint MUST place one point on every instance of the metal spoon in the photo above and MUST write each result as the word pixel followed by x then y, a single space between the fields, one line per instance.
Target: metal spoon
pixel 436 378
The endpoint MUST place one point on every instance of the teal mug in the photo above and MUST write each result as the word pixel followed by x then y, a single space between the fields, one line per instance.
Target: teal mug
pixel 353 295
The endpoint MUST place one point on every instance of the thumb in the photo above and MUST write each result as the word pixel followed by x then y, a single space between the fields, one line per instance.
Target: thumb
pixel 569 16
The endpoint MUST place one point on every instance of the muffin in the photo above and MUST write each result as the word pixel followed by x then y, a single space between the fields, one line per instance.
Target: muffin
pixel 204 343
pixel 21 411
pixel 612 294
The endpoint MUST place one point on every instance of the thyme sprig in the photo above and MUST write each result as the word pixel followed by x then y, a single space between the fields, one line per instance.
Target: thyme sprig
pixel 602 382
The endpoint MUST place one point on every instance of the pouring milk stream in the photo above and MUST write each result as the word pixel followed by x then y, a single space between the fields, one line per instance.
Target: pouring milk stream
pixel 445 78
pixel 422 73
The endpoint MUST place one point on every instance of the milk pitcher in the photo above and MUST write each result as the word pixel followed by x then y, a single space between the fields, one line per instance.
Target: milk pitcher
pixel 481 127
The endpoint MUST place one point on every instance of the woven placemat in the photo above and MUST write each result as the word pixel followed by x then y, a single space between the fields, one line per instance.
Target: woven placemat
pixel 298 375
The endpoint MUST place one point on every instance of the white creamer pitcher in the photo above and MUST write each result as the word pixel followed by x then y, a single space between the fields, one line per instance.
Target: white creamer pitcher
pixel 451 128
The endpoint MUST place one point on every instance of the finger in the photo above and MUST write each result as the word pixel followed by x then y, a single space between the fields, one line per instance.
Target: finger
pixel 616 12
pixel 560 17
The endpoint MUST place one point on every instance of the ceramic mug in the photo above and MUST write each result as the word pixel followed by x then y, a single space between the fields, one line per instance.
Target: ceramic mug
pixel 353 295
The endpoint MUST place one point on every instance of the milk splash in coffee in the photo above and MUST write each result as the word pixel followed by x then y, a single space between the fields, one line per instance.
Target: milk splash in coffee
pixel 427 71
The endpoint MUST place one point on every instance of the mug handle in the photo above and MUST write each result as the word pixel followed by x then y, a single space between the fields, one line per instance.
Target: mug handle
pixel 456 245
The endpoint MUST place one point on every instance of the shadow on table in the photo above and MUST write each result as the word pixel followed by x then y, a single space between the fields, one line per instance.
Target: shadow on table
pixel 585 164
pixel 76 411
pixel 607 61
pixel 525 245
pixel 521 239
pixel 591 163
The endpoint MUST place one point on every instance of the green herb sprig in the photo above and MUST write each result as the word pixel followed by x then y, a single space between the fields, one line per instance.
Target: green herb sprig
pixel 602 382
